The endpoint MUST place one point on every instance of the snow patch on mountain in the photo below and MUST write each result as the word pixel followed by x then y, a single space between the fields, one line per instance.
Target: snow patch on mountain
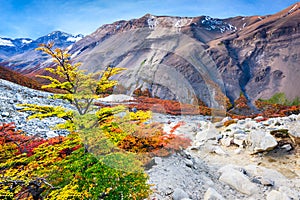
pixel 5 42
pixel 74 39
pixel 26 41
pixel 217 24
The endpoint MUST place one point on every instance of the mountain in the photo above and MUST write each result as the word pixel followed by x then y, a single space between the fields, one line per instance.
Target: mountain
pixel 187 59
pixel 20 55
pixel 194 58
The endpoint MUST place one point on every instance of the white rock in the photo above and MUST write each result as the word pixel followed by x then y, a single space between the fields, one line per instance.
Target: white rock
pixel 237 180
pixel 287 147
pixel 289 192
pixel 238 151
pixel 188 163
pixel 238 142
pixel 116 98
pixel 209 132
pixel 240 136
pixel 51 134
pixel 294 129
pixel 212 194
pixel 226 141
pixel 260 141
pixel 5 114
pixel 271 174
pixel 241 122
pixel 275 195
pixel 218 150
pixel 179 194
pixel 259 118
pixel 239 131
pixel 207 180
pixel 225 119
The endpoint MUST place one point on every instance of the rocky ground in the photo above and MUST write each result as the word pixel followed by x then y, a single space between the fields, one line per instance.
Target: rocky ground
pixel 240 161
pixel 11 95
pixel 230 159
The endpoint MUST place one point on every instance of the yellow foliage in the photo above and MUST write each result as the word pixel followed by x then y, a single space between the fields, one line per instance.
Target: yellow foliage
pixel 140 115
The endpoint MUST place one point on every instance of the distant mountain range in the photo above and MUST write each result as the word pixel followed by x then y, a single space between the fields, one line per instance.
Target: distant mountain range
pixel 19 54
pixel 184 58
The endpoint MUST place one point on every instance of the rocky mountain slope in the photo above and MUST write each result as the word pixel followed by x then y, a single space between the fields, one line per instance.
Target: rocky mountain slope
pixel 192 58
pixel 188 58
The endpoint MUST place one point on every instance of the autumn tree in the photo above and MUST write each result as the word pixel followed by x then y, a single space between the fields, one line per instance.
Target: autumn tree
pixel 70 166
pixel 77 86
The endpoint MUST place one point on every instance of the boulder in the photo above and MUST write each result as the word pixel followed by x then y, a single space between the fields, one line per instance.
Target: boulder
pixel 266 174
pixel 259 141
pixel 237 180
pixel 209 132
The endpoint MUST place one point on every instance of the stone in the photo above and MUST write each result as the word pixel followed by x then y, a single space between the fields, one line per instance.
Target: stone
pixel 209 132
pixel 276 195
pixel 218 150
pixel 188 163
pixel 152 162
pixel 259 118
pixel 238 142
pixel 219 124
pixel 265 181
pixel 291 193
pixel 5 114
pixel 237 180
pixel 207 180
pixel 212 194
pixel 239 132
pixel 51 134
pixel 259 141
pixel 179 194
pixel 226 141
pixel 238 151
pixel 241 122
pixel 271 174
pixel 287 147
pixel 225 119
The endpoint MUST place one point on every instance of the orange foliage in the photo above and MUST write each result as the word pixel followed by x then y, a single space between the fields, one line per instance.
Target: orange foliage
pixel 227 123
pixel 276 110
pixel 241 102
pixel 153 140
pixel 21 79
pixel 167 106
pixel 25 144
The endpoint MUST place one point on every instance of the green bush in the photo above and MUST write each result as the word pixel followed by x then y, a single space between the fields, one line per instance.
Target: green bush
pixel 280 98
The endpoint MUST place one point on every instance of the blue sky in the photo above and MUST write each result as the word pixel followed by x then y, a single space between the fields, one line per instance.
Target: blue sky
pixel 35 18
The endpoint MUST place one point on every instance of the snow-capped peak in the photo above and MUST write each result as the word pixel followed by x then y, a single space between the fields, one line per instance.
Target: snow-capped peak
pixel 6 42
